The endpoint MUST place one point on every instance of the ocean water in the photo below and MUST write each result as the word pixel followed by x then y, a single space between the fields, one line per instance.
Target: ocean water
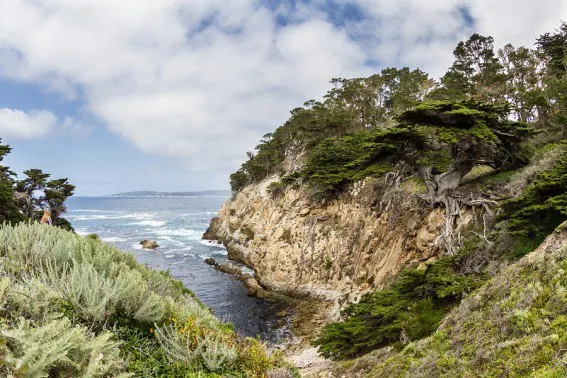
pixel 177 224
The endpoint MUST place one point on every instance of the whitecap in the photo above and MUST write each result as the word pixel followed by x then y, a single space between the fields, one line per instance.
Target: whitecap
pixel 113 239
pixel 183 232
pixel 170 256
pixel 92 211
pixel 171 240
pixel 211 243
pixel 200 213
pixel 81 231
pixel 149 223
pixel 188 248
pixel 88 217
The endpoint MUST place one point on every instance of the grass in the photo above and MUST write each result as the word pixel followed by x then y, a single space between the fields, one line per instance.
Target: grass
pixel 513 326
pixel 73 306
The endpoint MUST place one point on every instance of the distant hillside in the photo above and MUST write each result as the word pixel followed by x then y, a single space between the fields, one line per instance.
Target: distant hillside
pixel 149 193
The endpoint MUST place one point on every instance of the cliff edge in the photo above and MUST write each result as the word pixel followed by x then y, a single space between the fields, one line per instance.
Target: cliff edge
pixel 331 250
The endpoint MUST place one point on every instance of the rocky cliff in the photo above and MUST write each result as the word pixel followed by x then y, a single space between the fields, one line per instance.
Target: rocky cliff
pixel 335 250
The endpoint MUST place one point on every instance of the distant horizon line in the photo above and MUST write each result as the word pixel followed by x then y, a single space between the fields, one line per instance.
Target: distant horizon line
pixel 155 193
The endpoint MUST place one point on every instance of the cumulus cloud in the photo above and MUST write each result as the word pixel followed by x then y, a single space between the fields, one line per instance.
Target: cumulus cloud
pixel 18 124
pixel 204 79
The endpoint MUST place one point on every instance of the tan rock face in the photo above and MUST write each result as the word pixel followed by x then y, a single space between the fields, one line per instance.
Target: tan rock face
pixel 338 250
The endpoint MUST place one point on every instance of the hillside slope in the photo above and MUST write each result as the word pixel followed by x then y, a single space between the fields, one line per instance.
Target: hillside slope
pixel 515 325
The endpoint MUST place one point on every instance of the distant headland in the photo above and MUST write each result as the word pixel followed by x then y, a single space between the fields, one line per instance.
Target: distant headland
pixel 149 193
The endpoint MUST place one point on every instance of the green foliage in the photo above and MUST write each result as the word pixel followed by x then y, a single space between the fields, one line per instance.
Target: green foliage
pixel 514 326
pixel 276 188
pixel 543 204
pixel 459 135
pixel 55 285
pixel 440 135
pixel 26 199
pixel 523 86
pixel 58 349
pixel 336 162
pixel 55 194
pixel 475 74
pixel 35 182
pixel 9 211
pixel 238 180
pixel 553 47
pixel 410 309
pixel 351 105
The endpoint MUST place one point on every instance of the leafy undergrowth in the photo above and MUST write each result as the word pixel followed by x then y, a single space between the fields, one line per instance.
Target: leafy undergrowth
pixel 515 325
pixel 75 307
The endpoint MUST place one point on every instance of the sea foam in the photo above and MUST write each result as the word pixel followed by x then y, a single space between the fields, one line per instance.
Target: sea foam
pixel 149 223
pixel 113 239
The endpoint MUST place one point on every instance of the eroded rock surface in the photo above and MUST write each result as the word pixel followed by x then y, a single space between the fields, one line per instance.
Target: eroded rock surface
pixel 335 250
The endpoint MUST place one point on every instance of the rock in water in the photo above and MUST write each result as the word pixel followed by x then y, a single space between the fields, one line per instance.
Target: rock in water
pixel 149 244
pixel 210 261
pixel 230 268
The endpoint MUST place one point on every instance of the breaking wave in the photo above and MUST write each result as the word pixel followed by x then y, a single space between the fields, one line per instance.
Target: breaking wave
pixel 149 223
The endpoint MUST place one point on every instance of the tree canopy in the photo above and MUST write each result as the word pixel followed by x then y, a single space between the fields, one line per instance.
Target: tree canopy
pixel 26 198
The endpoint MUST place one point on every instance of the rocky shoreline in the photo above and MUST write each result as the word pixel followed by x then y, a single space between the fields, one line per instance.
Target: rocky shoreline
pixel 300 319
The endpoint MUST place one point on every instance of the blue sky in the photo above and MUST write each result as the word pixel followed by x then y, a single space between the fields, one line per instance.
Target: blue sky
pixel 169 95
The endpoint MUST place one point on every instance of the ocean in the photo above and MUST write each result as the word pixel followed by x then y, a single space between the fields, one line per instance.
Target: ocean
pixel 177 224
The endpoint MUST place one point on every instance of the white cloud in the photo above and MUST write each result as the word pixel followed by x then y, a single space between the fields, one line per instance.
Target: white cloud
pixel 517 22
pixel 18 124
pixel 204 79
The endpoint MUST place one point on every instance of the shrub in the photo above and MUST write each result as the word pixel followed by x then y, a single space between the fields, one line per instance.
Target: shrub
pixel 543 204
pixel 55 285
pixel 337 162
pixel 513 326
pixel 57 348
pixel 275 189
pixel 409 309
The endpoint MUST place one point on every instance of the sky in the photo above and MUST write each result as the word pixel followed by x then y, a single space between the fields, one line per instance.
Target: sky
pixel 169 95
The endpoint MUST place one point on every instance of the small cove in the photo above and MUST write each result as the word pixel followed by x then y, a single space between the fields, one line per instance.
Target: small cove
pixel 176 224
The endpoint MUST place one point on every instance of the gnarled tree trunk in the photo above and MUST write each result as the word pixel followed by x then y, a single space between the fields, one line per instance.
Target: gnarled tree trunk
pixel 440 189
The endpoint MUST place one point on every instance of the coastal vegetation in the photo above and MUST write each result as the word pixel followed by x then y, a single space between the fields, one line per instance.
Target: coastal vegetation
pixel 488 137
pixel 74 306
pixel 25 199
pixel 514 326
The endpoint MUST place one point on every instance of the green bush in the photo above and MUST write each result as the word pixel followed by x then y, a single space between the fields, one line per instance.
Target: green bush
pixel 337 162
pixel 73 306
pixel 543 204
pixel 409 309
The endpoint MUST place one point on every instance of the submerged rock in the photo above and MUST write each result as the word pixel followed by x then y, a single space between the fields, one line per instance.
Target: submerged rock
pixel 149 244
